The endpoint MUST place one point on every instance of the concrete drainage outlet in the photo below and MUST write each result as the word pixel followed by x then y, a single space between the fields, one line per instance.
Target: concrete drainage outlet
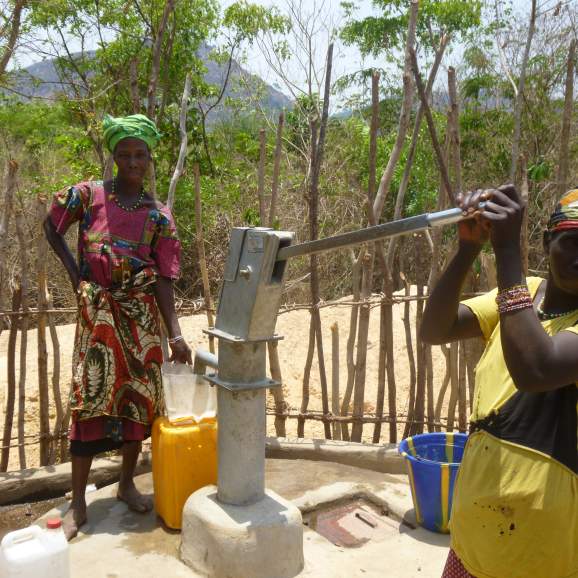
pixel 353 523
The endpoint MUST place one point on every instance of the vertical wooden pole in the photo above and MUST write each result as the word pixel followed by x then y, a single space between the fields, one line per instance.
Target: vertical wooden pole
pixel 362 339
pixel 462 389
pixel 335 378
pixel 272 349
pixel 23 338
pixel 261 176
pixel 444 387
pixel 276 170
pixel 58 430
pixel 367 272
pixel 11 171
pixel 317 150
pixel 11 380
pixel 350 357
pixel 201 252
pixel 454 384
pixel 280 405
pixel 43 401
pixel 430 389
pixel 421 367
pixel 387 306
pixel 381 375
pixel 306 380
pixel 411 357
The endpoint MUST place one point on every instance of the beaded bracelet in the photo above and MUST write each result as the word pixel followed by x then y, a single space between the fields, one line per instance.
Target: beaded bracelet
pixel 514 298
pixel 176 339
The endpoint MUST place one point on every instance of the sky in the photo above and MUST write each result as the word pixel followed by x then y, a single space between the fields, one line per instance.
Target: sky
pixel 347 59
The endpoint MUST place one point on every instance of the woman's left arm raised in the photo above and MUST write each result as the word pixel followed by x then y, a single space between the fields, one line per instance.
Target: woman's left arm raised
pixel 536 361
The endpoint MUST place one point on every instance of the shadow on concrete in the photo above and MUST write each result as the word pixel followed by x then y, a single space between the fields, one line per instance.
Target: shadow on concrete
pixel 268 507
pixel 409 526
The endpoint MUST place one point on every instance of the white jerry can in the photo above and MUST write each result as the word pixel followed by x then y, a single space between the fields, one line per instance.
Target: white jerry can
pixel 33 552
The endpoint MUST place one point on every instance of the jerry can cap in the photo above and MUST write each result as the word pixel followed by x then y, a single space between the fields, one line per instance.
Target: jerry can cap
pixel 53 523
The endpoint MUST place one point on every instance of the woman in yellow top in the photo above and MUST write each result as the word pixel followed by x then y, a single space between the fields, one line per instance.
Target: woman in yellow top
pixel 515 506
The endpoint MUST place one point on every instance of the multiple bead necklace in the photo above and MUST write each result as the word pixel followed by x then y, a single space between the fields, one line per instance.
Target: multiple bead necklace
pixel 543 316
pixel 133 207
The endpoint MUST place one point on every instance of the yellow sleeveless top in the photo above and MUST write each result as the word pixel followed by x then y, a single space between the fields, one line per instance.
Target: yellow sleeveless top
pixel 515 504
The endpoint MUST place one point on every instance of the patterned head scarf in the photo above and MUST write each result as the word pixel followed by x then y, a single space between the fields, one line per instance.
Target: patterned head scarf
pixel 565 215
pixel 135 126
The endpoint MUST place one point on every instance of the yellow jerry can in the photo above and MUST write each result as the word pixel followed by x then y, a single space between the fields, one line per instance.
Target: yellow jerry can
pixel 184 458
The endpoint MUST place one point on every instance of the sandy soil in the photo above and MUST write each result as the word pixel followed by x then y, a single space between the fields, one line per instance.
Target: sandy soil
pixel 293 325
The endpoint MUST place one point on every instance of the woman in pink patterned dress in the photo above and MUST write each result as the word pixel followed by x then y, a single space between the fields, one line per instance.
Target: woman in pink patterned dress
pixel 128 257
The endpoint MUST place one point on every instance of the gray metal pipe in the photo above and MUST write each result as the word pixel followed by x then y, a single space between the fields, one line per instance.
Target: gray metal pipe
pixel 391 229
pixel 204 359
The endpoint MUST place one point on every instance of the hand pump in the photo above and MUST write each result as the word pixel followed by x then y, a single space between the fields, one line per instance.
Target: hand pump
pixel 250 298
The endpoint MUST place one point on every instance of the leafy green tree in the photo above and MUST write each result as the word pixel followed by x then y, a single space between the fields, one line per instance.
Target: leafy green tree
pixel 385 33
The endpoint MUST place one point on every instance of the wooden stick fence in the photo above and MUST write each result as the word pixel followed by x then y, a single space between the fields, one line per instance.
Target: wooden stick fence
pixel 341 409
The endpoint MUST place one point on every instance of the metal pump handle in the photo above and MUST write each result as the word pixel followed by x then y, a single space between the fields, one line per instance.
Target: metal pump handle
pixel 391 229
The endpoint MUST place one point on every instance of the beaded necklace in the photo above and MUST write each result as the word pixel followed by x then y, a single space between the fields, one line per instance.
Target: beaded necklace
pixel 135 206
pixel 543 316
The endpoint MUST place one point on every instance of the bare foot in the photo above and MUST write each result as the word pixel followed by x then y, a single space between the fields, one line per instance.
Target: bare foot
pixel 134 499
pixel 74 518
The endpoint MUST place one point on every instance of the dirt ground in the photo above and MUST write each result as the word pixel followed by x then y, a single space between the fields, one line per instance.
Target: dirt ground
pixel 293 325
pixel 22 515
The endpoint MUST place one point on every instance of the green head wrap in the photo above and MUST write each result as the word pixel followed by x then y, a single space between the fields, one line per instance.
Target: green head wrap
pixel 135 126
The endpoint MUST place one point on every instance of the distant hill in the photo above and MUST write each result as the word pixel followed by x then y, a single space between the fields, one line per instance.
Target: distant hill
pixel 42 80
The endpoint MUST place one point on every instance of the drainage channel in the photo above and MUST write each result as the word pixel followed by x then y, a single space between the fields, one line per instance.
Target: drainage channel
pixel 353 523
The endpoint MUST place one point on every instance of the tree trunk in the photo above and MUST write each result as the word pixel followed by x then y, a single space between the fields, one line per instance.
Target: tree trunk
pixel 404 115
pixel 134 94
pixel 566 121
pixel 432 128
pixel 399 201
pixel 520 95
pixel 184 140
pixel 156 59
pixel 15 23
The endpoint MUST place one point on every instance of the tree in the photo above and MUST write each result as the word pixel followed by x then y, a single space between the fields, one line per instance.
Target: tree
pixel 11 13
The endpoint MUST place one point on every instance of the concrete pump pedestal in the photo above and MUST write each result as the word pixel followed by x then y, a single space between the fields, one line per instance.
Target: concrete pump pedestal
pixel 260 540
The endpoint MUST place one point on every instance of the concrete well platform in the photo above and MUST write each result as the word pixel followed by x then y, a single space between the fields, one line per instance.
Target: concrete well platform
pixel 119 543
